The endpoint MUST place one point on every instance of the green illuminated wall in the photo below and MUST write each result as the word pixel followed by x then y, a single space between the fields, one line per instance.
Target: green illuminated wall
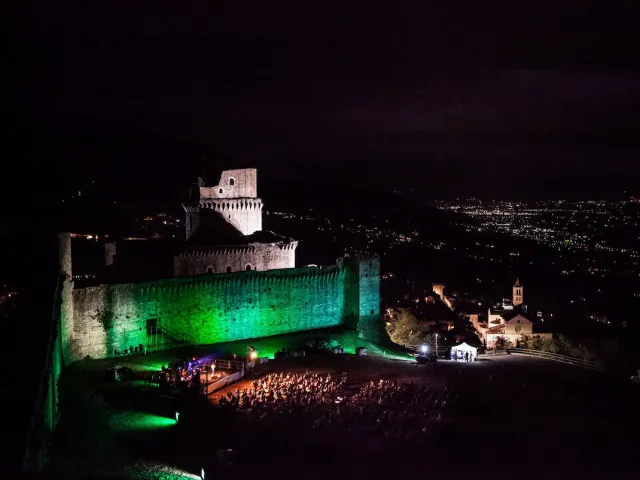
pixel 223 307
pixel 45 415
pixel 362 297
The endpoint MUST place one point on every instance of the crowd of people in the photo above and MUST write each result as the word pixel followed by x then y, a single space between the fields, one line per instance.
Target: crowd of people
pixel 282 393
pixel 395 410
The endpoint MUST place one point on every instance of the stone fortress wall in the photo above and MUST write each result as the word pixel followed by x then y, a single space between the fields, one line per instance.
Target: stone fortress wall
pixel 208 309
pixel 258 257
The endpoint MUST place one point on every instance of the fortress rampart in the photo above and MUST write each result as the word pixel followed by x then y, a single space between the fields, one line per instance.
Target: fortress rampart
pixel 235 259
pixel 214 308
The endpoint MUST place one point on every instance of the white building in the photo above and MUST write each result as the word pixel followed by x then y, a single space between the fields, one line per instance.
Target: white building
pixel 512 330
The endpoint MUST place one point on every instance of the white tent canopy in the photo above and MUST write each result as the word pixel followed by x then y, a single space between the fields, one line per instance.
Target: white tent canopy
pixel 459 351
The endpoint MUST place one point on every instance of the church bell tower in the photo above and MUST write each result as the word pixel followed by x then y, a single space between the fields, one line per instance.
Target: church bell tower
pixel 517 293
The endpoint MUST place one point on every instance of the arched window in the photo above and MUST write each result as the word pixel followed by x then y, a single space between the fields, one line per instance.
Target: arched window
pixel 220 191
pixel 232 181
pixel 209 269
pixel 228 269
pixel 248 268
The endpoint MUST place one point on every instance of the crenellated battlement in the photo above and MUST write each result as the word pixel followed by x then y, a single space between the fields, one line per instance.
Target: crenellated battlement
pixel 231 250
pixel 191 207
pixel 200 252
pixel 232 204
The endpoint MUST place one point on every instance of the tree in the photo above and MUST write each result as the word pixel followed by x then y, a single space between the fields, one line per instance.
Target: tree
pixel 559 344
pixel 536 342
pixel 502 342
pixel 563 346
pixel 406 329
pixel 542 344
pixel 526 341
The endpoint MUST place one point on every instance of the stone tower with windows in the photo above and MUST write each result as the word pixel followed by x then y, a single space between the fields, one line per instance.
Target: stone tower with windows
pixel 235 198
pixel 518 297
pixel 223 228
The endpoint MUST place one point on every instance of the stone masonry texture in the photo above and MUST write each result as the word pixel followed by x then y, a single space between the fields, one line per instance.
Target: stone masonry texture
pixel 208 309
pixel 259 256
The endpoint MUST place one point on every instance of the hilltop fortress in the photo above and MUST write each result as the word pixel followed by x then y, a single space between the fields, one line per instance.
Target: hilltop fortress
pixel 232 281
pixel 224 229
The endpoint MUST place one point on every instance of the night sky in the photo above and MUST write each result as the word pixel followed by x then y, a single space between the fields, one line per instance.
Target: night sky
pixel 499 100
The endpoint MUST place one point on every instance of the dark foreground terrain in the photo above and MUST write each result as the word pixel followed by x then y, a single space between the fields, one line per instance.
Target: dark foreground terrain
pixel 534 417
pixel 514 416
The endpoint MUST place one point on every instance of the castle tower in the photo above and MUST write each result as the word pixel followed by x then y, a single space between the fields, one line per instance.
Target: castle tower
pixel 518 297
pixel 362 295
pixel 438 289
pixel 235 198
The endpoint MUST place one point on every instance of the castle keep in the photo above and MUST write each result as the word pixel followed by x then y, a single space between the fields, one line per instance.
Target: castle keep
pixel 233 281
pixel 224 229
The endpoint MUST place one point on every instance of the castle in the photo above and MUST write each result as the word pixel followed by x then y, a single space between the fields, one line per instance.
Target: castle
pixel 232 281
pixel 224 230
